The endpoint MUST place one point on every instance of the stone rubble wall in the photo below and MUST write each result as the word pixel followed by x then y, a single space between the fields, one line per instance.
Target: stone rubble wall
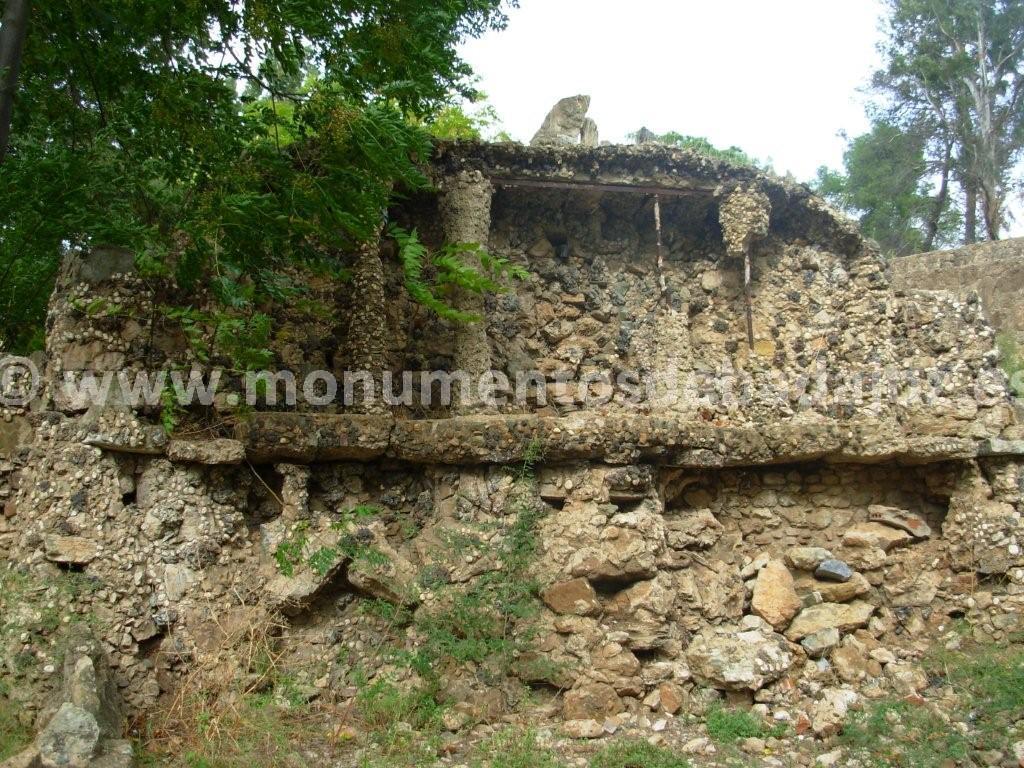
pixel 817 317
pixel 793 559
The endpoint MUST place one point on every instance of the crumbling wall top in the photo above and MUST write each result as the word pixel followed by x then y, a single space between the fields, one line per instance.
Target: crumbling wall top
pixel 653 169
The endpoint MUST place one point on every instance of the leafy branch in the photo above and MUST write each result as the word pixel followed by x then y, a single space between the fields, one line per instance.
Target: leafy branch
pixel 451 271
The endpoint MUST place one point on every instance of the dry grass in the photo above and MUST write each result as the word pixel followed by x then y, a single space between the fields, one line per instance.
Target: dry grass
pixel 239 710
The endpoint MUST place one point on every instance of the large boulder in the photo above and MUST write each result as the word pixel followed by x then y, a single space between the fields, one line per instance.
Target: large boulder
pixel 807 558
pixel 735 660
pixel 575 596
pixel 70 740
pixel 592 701
pixel 835 592
pixel 775 599
pixel 876 535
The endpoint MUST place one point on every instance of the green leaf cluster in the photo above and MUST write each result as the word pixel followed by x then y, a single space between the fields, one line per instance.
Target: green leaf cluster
pixel 454 267
pixel 221 142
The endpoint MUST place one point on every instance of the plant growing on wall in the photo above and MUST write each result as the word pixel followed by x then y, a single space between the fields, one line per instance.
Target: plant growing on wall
pixel 221 142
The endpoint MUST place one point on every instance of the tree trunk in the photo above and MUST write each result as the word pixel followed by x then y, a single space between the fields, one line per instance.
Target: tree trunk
pixel 982 87
pixel 991 209
pixel 941 199
pixel 12 41
pixel 970 213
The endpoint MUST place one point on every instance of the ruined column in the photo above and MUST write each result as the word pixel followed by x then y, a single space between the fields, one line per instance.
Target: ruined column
pixel 465 206
pixel 367 329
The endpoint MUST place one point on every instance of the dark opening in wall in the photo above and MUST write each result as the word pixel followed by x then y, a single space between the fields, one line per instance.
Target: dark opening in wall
pixel 581 223
pixel 264 485
pixel 559 243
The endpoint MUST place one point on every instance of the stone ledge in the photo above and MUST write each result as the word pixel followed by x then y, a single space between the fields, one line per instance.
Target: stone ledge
pixel 626 439
pixel 307 437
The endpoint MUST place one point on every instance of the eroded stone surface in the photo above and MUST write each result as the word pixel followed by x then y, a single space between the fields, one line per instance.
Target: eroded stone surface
pixel 843 617
pixel 662 531
pixel 737 660
pixel 775 599
pixel 567 124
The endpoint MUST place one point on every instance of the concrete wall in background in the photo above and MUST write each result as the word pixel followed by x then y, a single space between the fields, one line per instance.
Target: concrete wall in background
pixel 994 269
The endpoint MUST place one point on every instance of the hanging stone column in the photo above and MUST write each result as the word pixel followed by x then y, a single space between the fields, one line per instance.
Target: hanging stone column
pixel 367 328
pixel 465 206
pixel 745 216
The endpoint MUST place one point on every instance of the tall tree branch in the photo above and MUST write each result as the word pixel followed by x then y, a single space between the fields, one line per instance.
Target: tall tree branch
pixel 12 42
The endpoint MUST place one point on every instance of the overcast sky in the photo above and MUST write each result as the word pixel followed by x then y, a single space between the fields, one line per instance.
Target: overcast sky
pixel 777 78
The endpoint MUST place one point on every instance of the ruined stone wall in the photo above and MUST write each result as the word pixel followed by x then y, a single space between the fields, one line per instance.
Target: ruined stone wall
pixel 795 556
pixel 643 571
pixel 993 270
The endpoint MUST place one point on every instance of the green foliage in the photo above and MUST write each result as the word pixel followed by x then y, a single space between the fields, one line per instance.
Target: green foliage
pixel 451 272
pixel 895 733
pixel 404 724
pixel 954 73
pixel 482 623
pixel 291 553
pixel 727 726
pixel 36 610
pixel 459 122
pixel 636 754
pixel 885 186
pixel 383 705
pixel 129 130
pixel 245 340
pixel 991 680
pixel 256 730
pixel 486 621
pixel 170 409
pixel 702 146
pixel 14 735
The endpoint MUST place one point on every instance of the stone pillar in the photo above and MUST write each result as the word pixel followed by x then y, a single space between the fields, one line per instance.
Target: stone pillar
pixel 465 206
pixel 367 330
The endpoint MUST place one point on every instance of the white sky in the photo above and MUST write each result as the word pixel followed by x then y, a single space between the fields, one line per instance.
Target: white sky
pixel 777 78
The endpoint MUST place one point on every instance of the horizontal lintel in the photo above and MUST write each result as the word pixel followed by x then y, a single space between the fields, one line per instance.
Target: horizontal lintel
pixel 641 189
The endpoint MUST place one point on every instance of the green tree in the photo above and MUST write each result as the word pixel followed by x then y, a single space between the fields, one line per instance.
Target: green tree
pixel 479 122
pixel 956 67
pixel 885 186
pixel 218 139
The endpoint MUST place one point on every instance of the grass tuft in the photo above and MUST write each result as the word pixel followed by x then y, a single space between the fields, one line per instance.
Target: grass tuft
pixel 1011 360
pixel 727 726
pixel 636 754
pixel 511 748
pixel 14 736
pixel 223 717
